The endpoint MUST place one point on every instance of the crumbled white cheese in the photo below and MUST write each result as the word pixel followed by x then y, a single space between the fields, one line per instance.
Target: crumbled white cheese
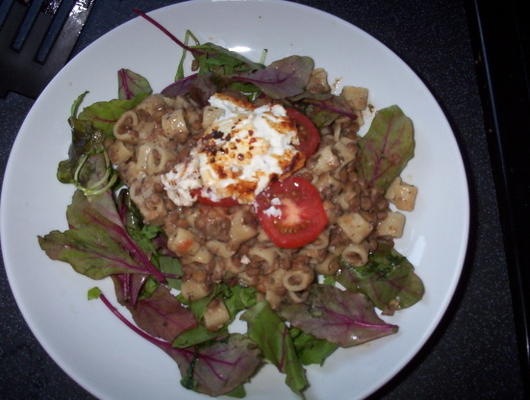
pixel 245 259
pixel 239 154
pixel 273 212
pixel 183 178
pixel 276 201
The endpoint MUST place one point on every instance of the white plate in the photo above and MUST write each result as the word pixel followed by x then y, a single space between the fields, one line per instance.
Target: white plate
pixel 101 353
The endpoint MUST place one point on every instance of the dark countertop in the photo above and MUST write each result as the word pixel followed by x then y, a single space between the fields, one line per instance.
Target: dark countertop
pixel 473 352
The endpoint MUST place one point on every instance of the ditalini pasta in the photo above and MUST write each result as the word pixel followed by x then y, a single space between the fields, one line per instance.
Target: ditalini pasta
pixel 226 242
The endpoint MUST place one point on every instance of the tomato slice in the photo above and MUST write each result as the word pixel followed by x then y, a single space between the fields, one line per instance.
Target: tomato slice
pixel 225 202
pixel 308 134
pixel 291 212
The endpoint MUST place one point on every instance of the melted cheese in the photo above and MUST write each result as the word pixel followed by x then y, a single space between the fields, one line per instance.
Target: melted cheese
pixel 238 154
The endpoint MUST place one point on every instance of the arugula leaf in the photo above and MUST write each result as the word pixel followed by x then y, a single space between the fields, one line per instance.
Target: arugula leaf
pixel 97 245
pixel 388 279
pixel 283 78
pixel 338 316
pixel 131 84
pixel 76 104
pixel 272 336
pixel 311 350
pixel 387 147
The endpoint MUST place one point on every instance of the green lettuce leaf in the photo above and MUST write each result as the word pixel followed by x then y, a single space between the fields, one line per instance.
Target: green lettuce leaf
pixel 235 298
pixel 162 315
pixel 104 114
pixel 388 279
pixel 283 78
pixel 387 147
pixel 220 367
pixel 131 84
pixel 311 350
pixel 272 336
pixel 214 58
pixel 338 316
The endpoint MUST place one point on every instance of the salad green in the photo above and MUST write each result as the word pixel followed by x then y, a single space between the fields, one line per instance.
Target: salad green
pixel 107 238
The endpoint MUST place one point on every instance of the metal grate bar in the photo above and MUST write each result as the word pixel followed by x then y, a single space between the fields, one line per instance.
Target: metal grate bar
pixel 27 24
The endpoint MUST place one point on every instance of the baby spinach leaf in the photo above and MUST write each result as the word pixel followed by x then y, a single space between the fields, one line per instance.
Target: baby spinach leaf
pixel 221 366
pixel 214 369
pixel 104 114
pixel 97 244
pixel 338 316
pixel 93 293
pixel 214 58
pixel 272 336
pixel 311 350
pixel 162 315
pixel 387 147
pixel 388 279
pixel 236 298
pixel 131 84
pixel 238 392
pixel 171 265
pixel 239 298
pixel 197 335
pixel 283 78
pixel 89 129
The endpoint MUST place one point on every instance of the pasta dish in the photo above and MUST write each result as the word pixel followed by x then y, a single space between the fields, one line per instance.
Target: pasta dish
pixel 242 190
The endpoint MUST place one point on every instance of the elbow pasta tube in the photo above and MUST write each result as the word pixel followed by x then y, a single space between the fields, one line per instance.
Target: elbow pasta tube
pixel 329 266
pixel 125 128
pixel 174 125
pixel 119 153
pixel 355 254
pixel 297 280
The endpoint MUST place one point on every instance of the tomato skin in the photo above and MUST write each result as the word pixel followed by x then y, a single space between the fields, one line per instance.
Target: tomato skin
pixel 308 133
pixel 302 218
pixel 226 202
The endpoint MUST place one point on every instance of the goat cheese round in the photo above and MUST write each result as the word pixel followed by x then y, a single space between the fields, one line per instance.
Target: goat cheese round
pixel 238 155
